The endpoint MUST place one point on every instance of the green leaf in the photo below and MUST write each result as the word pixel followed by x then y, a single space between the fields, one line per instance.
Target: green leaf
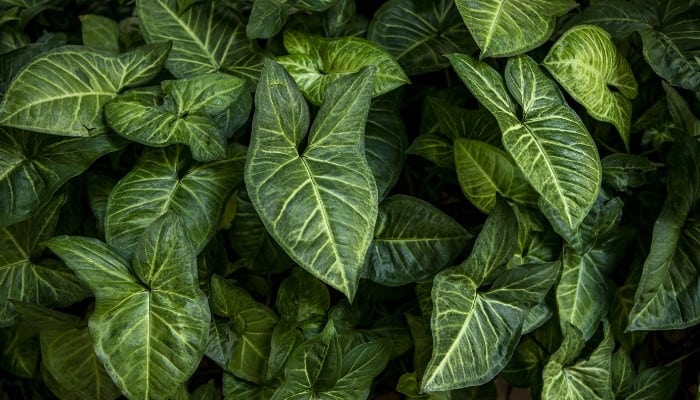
pixel 457 122
pixel 418 33
pixel 680 111
pixel 670 62
pixel 549 142
pixel 484 170
pixel 75 83
pixel 19 351
pixel 34 166
pixel 206 391
pixel 285 338
pixel 434 148
pixel 304 300
pixel 504 28
pixel 623 171
pixel 204 39
pixel 658 383
pixel 27 277
pixel 315 62
pixel 151 322
pixel 165 180
pixel 412 241
pixel 588 378
pixel 622 373
pixel 100 33
pixel 190 111
pixel 98 188
pixel 251 328
pixel 525 367
pixel 267 17
pixel 330 180
pixel 236 389
pixel 587 64
pixel 475 332
pixel 620 18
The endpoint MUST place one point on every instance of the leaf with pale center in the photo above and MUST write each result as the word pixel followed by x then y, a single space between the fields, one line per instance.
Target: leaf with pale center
pixel 586 62
pixel 320 204
pixel 62 92
pixel 151 321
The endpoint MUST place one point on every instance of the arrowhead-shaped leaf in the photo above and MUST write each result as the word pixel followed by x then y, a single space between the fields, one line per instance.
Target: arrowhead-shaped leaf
pixel 587 64
pixel 319 204
pixel 75 83
pixel 412 241
pixel 151 321
pixel 204 39
pixel 166 179
pixel 33 166
pixel 315 62
pixel 192 111
pixel 549 142
pixel 504 28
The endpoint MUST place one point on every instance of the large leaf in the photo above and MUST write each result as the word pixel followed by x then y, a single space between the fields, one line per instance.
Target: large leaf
pixel 151 322
pixel 62 92
pixel 418 33
pixel 191 111
pixel 33 166
pixel 205 39
pixel 587 378
pixel 549 142
pixel 412 241
pixel 24 275
pixel 315 62
pixel 475 332
pixel 587 64
pixel 668 295
pixel 165 180
pixel 320 205
pixel 484 171
pixel 504 28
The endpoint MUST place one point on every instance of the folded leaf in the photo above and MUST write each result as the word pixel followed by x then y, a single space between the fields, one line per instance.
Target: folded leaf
pixel 587 64
pixel 75 83
pixel 319 204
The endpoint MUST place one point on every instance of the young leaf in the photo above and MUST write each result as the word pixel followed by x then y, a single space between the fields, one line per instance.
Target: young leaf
pixel 326 195
pixel 189 111
pixel 165 180
pixel 587 64
pixel 75 83
pixel 549 143
pixel 204 39
pixel 316 62
pixel 151 322
pixel 504 28
pixel 33 166
pixel 412 241
pixel 418 33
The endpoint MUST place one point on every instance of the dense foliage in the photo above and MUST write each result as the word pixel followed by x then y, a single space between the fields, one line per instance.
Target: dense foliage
pixel 318 199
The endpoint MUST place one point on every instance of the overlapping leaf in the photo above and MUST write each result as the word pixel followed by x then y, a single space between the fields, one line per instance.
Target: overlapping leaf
pixel 195 111
pixel 62 92
pixel 549 142
pixel 315 62
pixel 587 64
pixel 320 204
pixel 166 179
pixel 151 321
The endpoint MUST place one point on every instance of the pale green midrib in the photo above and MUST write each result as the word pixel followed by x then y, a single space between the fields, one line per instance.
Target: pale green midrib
pixel 492 26
pixel 11 168
pixel 54 98
pixel 475 163
pixel 12 238
pixel 420 239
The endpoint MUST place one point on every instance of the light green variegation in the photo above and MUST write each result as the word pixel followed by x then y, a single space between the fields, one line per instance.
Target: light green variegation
pixel 412 241
pixel 166 179
pixel 62 92
pixel 549 143
pixel 204 39
pixel 25 275
pixel 194 111
pixel 484 170
pixel 33 166
pixel 151 320
pixel 504 28
pixel 315 62
pixel 320 204
pixel 419 32
pixel 587 64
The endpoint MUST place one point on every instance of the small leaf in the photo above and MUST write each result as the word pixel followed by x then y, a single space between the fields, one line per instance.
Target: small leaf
pixel 75 82
pixel 587 64
pixel 315 62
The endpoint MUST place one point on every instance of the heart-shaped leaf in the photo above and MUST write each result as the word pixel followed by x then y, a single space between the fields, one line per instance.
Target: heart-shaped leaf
pixel 325 194
pixel 75 83
pixel 151 321
pixel 587 64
